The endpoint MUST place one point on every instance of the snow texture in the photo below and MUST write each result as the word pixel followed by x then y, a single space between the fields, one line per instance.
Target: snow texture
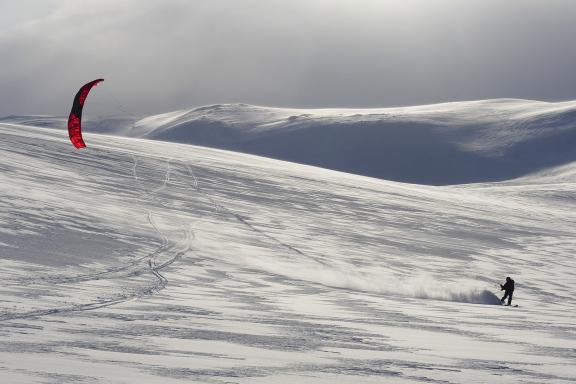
pixel 439 144
pixel 145 261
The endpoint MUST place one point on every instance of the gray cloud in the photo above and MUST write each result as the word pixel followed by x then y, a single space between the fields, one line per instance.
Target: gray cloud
pixel 160 55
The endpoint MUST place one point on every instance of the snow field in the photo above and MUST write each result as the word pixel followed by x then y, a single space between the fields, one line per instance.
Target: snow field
pixel 140 261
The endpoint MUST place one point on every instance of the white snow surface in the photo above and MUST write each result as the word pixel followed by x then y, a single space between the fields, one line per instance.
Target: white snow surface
pixel 438 144
pixel 139 261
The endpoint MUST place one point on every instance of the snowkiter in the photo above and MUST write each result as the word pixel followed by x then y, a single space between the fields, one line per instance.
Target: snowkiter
pixel 508 288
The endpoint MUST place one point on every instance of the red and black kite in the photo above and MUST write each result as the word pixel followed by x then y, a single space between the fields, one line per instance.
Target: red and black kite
pixel 75 118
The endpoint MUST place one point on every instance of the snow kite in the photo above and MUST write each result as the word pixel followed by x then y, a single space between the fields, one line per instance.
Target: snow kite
pixel 75 118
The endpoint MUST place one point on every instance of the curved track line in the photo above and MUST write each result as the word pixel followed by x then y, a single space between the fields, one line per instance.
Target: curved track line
pixel 221 208
pixel 141 185
pixel 115 270
pixel 152 266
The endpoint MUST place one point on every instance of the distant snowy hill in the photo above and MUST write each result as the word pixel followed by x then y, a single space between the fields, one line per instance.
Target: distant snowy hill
pixel 440 144
pixel 436 144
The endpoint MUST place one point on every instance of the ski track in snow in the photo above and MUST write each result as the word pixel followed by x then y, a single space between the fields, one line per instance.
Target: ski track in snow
pixel 221 208
pixel 232 268
pixel 132 269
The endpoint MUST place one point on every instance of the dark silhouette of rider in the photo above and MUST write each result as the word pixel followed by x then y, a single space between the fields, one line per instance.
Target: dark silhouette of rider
pixel 508 288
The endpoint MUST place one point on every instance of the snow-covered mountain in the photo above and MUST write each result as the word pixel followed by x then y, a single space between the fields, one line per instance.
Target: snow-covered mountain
pixel 439 144
pixel 145 261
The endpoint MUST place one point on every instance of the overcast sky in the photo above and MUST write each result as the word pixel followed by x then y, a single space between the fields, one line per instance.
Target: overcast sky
pixel 161 55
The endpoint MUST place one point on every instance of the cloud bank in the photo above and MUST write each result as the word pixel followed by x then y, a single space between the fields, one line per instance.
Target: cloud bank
pixel 163 55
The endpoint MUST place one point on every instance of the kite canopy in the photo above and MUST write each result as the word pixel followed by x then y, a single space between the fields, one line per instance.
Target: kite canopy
pixel 75 118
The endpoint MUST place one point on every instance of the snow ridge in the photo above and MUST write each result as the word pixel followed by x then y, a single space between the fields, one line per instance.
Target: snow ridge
pixel 437 144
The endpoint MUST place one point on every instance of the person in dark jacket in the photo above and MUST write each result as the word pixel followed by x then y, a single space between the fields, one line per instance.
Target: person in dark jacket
pixel 508 288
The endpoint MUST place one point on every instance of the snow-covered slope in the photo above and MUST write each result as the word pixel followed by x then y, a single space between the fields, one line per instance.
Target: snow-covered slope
pixel 450 143
pixel 438 144
pixel 141 261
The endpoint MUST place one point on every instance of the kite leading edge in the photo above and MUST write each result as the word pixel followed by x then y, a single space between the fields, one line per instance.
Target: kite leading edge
pixel 75 118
